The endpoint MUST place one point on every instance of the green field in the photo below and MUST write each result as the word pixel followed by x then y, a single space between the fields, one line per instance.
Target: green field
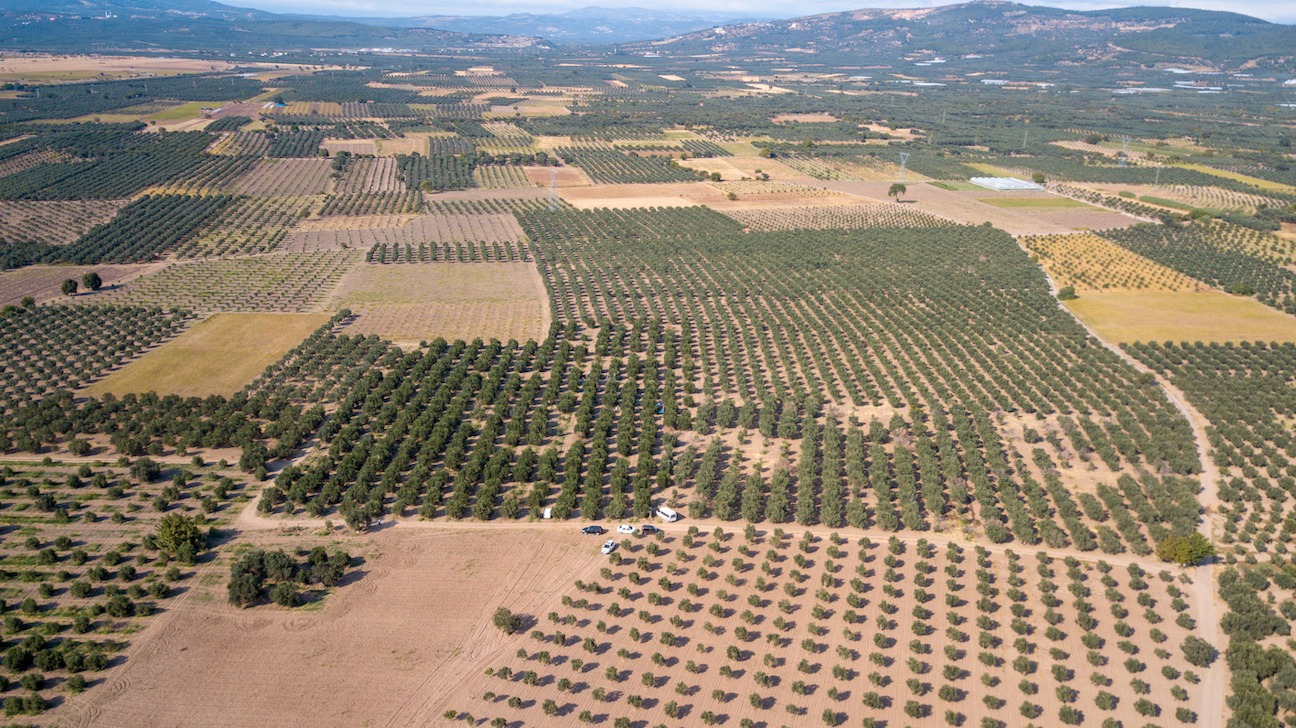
pixel 1209 316
pixel 1032 202
pixel 956 186
pixel 184 112
pixel 218 356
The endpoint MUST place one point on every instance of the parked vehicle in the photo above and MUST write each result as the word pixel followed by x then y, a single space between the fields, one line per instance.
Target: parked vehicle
pixel 609 546
pixel 647 529
pixel 667 514
pixel 625 528
pixel 594 530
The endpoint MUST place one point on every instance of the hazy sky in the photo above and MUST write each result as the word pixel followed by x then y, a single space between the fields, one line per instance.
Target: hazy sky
pixel 1283 11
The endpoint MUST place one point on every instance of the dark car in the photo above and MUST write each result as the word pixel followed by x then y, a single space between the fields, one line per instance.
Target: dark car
pixel 648 528
pixel 594 530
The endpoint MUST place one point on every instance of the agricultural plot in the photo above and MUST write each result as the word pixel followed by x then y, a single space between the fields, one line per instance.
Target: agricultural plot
pixel 30 160
pixel 150 225
pixel 1244 391
pixel 842 168
pixel 501 177
pixel 1090 262
pixel 826 217
pixel 250 225
pixel 275 283
pixel 410 303
pixel 49 348
pixel 82 580
pixel 291 177
pixel 966 207
pixel 676 194
pixel 584 291
pixel 369 175
pixel 54 222
pixel 613 167
pixel 218 356
pixel 450 236
pixel 214 175
pixel 455 576
pixel 1225 256
pixel 305 143
pixel 956 472
pixel 1205 316
pixel 1206 197
pixel 560 177
pixel 1034 202
pixel 710 628
pixel 242 144
pixel 373 203
pixel 44 282
pixel 436 172
pixel 745 189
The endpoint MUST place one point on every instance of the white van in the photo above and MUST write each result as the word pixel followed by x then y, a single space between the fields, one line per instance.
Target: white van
pixel 667 514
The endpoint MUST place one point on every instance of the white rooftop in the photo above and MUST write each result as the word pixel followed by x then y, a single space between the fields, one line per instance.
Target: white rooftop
pixel 1004 184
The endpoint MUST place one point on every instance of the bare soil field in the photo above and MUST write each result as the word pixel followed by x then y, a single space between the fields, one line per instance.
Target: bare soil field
pixel 44 282
pixel 57 222
pixel 46 68
pixel 803 118
pixel 965 207
pixel 413 619
pixel 674 194
pixel 218 356
pixel 409 303
pixel 565 176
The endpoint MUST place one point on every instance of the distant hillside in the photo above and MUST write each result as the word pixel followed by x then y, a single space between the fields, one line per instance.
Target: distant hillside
pixel 1014 33
pixel 585 26
pixel 204 25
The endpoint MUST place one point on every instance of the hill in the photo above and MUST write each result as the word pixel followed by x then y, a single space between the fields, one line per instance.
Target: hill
pixel 583 26
pixel 1016 35
pixel 208 26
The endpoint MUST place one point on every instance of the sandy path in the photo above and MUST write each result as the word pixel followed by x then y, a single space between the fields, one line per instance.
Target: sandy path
pixel 1206 610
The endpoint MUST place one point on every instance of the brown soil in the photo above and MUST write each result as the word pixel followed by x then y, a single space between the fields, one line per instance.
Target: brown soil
pixel 565 176
pixel 44 282
pixel 413 619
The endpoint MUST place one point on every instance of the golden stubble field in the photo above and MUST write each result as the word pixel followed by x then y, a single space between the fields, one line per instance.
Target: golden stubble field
pixel 218 356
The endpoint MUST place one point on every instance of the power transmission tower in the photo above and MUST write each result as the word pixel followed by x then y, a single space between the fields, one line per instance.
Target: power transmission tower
pixel 1124 150
pixel 904 164
pixel 553 189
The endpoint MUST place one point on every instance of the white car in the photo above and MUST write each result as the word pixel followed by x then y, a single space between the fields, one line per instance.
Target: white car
pixel 626 529
pixel 609 547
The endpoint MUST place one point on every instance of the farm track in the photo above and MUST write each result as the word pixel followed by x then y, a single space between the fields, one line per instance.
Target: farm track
pixel 1204 598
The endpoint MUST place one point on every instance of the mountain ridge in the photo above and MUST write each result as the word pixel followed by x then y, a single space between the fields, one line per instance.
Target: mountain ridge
pixel 1028 33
